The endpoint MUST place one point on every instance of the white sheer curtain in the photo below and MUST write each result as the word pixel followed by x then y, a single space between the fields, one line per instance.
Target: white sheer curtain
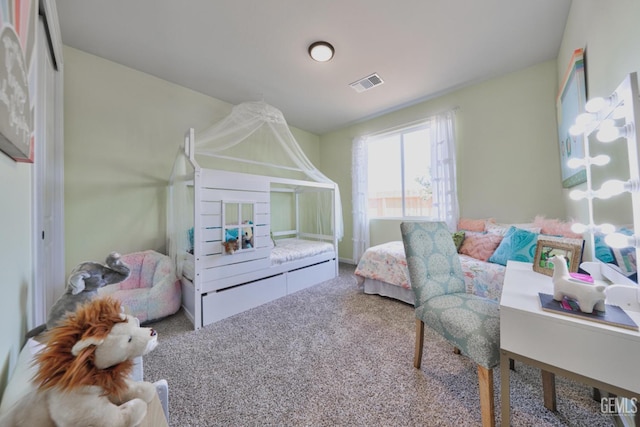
pixel 443 177
pixel 360 190
pixel 443 169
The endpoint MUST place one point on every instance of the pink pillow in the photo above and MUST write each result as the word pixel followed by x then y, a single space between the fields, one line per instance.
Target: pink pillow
pixel 469 224
pixel 480 246
pixel 555 227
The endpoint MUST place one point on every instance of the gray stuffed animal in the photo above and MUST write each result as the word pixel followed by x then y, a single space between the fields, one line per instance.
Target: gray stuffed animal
pixel 82 286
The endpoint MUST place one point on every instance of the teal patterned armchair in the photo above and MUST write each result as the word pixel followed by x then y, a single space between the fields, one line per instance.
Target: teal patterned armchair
pixel 469 322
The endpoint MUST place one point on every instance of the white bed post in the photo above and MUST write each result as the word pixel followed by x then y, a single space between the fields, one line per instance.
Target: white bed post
pixel 297 202
pixel 334 204
pixel 189 147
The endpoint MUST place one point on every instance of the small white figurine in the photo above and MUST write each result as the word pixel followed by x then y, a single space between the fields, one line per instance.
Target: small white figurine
pixel 587 294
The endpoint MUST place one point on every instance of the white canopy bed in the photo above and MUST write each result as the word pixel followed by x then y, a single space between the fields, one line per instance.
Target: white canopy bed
pixel 250 218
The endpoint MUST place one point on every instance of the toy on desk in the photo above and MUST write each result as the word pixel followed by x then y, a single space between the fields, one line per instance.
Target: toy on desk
pixel 588 295
pixel 622 291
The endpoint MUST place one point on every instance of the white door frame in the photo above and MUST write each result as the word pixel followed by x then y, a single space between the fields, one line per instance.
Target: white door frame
pixel 48 170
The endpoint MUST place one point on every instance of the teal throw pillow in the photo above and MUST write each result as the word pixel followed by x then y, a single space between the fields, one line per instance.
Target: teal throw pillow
pixel 603 251
pixel 517 245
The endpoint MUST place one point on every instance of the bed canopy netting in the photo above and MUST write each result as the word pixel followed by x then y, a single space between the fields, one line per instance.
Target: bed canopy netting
pixel 254 140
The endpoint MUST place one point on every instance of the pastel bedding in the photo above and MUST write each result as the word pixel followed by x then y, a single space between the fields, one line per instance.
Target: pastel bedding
pixel 484 250
pixel 387 263
pixel 287 250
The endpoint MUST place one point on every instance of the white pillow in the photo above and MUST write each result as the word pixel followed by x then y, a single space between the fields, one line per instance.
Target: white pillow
pixel 501 229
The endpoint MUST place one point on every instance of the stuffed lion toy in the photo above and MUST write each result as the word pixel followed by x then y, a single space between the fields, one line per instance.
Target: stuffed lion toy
pixel 83 372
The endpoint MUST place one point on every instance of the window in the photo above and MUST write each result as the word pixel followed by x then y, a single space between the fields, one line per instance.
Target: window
pixel 399 176
pixel 409 172
pixel 238 220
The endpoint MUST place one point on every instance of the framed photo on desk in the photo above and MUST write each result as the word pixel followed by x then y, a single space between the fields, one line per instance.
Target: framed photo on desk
pixel 546 249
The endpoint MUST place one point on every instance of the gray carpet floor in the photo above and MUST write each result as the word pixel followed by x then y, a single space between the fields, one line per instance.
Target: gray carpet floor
pixel 330 355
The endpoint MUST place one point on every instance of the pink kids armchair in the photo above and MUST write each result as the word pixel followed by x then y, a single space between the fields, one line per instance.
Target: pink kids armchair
pixel 152 290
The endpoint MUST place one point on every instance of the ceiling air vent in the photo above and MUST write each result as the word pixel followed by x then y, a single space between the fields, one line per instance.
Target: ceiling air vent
pixel 367 83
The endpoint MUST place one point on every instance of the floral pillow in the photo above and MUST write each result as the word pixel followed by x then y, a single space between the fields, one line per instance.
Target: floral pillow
pixel 480 245
pixel 518 245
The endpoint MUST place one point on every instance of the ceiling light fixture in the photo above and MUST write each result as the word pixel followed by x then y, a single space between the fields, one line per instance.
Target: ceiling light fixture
pixel 321 51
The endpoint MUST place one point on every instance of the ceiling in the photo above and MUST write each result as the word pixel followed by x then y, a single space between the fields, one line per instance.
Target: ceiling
pixel 246 50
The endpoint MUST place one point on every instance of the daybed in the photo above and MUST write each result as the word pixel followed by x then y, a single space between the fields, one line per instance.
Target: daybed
pixel 382 270
pixel 252 238
pixel 483 252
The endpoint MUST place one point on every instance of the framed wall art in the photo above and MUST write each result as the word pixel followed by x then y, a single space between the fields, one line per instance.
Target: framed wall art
pixel 570 103
pixel 17 70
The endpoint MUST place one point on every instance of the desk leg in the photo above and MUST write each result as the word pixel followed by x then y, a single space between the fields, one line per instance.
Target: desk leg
pixel 505 392
pixel 549 390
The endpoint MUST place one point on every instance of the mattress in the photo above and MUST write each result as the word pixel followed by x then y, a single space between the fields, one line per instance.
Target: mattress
pixel 387 263
pixel 287 250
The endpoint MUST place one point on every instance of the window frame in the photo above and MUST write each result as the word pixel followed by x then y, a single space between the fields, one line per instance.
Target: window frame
pixel 423 125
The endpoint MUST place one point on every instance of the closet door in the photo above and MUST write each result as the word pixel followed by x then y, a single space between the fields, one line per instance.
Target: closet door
pixel 48 185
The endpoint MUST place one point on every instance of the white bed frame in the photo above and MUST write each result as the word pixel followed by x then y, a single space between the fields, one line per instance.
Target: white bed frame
pixel 226 284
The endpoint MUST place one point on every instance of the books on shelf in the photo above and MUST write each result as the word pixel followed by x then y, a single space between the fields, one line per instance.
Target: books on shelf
pixel 613 315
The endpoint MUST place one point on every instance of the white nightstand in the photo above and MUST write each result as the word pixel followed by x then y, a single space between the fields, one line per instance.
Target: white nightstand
pixel 600 355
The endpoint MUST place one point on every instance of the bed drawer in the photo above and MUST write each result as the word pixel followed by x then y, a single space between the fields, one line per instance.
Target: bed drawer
pixel 309 276
pixel 222 304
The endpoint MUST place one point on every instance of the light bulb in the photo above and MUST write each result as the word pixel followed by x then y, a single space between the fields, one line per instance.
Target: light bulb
pixel 608 134
pixel 606 228
pixel 585 118
pixel 577 129
pixel 600 160
pixel 576 227
pixel 619 240
pixel 595 104
pixel 574 163
pixel 619 112
pixel 611 133
pixel 578 195
pixel 611 188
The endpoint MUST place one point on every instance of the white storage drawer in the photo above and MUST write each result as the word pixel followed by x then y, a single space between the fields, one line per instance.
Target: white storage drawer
pixel 309 276
pixel 222 304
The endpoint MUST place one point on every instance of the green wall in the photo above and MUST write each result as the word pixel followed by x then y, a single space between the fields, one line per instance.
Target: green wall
pixel 507 153
pixel 123 129
pixel 508 158
pixel 15 261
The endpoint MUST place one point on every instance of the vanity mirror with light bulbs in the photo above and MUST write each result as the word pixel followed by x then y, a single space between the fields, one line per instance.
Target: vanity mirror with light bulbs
pixel 612 193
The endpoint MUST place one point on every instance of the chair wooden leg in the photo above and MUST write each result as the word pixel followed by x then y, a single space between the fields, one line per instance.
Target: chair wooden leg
pixel 549 390
pixel 417 356
pixel 487 412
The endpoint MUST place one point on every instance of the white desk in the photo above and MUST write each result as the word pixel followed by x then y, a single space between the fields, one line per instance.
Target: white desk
pixel 600 355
